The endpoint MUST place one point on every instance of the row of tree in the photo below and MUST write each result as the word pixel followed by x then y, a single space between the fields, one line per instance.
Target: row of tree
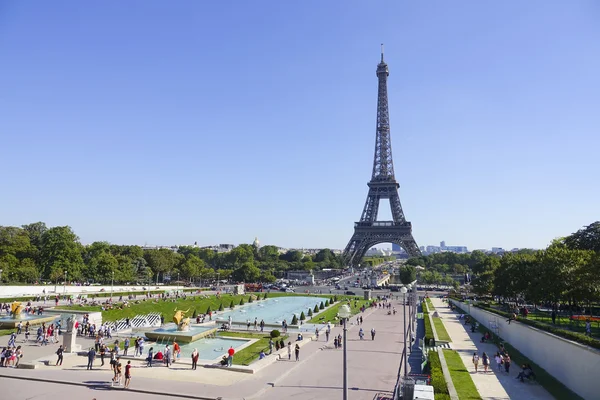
pixel 566 271
pixel 35 253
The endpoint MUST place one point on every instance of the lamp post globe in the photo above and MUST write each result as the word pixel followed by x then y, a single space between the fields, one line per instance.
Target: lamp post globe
pixel 404 290
pixel 344 311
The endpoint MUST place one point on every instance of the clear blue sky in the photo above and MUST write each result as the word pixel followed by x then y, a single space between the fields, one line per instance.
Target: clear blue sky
pixel 174 122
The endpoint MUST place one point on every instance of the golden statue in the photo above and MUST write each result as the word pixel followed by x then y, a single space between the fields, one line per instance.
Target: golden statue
pixel 15 309
pixel 183 324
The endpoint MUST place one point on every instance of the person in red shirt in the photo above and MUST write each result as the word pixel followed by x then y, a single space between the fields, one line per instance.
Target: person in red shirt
pixel 230 352
pixel 127 374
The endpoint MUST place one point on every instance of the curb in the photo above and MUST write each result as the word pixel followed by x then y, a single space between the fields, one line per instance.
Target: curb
pixel 73 383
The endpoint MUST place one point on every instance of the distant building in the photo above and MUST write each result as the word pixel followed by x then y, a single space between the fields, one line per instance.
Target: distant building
pixel 443 244
pixel 396 247
pixel 498 250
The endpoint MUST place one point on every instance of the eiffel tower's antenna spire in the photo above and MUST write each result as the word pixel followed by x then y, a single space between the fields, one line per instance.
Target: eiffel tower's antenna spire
pixel 382 52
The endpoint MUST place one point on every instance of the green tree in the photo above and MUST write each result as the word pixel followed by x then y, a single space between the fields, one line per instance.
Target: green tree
pixel 246 273
pixel 316 309
pixel 268 253
pixel 587 238
pixel 61 251
pixel 407 274
pixel 294 320
pixel 161 261
pixel 302 316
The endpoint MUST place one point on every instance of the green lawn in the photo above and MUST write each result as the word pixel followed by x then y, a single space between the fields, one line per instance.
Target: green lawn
pixel 251 353
pixel 199 304
pixel 441 329
pixel 429 304
pixel 6 331
pixel 330 313
pixel 463 383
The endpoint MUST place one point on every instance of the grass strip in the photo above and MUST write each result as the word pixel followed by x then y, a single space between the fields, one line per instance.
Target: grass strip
pixel 441 329
pixel 330 313
pixel 465 388
pixel 248 354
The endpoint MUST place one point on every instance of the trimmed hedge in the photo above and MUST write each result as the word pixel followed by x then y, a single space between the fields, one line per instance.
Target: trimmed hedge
pixel 437 376
pixel 428 327
pixel 575 336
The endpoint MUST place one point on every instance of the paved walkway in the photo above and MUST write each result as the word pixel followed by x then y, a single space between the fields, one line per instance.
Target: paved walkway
pixel 491 385
pixel 372 366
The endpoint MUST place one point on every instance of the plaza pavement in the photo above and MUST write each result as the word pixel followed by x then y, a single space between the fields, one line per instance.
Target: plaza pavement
pixel 492 385
pixel 372 366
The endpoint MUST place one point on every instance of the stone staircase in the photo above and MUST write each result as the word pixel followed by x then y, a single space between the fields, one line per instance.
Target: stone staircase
pixel 139 321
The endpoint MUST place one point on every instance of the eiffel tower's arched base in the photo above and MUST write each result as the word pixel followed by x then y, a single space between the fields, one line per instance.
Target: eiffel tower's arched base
pixel 365 238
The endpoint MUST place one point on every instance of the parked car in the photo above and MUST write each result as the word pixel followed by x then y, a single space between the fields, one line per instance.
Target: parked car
pixel 350 293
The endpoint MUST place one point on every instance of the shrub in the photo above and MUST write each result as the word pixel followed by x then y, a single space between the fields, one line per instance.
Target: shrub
pixel 265 296
pixel 195 314
pixel 232 305
pixel 208 310
pixel 335 298
pixel 310 313
pixel 316 309
pixel 274 333
pixel 302 316
pixel 241 302
pixel 221 307
pixel 321 306
pixel 327 303
pixel 294 320
pixel 437 376
pixel 250 299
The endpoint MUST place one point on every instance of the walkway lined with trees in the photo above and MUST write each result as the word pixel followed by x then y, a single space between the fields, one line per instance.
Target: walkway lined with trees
pixel 494 385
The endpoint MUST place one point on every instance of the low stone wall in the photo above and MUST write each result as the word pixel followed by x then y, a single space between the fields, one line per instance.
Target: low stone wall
pixel 573 364
pixel 53 290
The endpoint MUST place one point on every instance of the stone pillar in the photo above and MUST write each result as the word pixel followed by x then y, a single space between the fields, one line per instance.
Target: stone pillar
pixel 367 295
pixel 69 345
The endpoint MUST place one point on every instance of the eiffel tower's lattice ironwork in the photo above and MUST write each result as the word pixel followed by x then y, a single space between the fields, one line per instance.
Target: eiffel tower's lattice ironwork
pixel 368 231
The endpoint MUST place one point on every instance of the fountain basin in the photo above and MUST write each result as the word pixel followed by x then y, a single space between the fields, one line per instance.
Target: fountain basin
pixel 10 322
pixel 170 331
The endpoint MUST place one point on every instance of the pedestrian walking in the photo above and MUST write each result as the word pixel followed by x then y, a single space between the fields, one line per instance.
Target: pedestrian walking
pixel 486 361
pixel 289 346
pixel 127 374
pixel 475 360
pixel 372 333
pixel 270 346
pixel 195 356
pixel 297 352
pixel 230 354
pixel 335 343
pixel 361 334
pixel 498 359
pixel 317 333
pixel 59 353
pixel 91 358
pixel 125 346
pixel 167 355
pixel 507 363
pixel 327 335
pixel 150 357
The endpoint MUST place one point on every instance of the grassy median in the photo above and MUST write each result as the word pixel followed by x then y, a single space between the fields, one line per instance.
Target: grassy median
pixel 463 383
pixel 248 354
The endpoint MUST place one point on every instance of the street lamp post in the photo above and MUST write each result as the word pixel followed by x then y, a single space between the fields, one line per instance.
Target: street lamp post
pixel 112 282
pixel 345 313
pixel 403 290
pixel 0 275
pixel 177 287
pixel 65 284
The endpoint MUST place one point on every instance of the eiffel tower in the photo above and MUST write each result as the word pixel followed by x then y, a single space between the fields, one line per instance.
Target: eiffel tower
pixel 368 231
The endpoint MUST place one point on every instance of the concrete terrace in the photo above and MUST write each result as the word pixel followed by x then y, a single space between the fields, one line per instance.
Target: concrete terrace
pixel 372 368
